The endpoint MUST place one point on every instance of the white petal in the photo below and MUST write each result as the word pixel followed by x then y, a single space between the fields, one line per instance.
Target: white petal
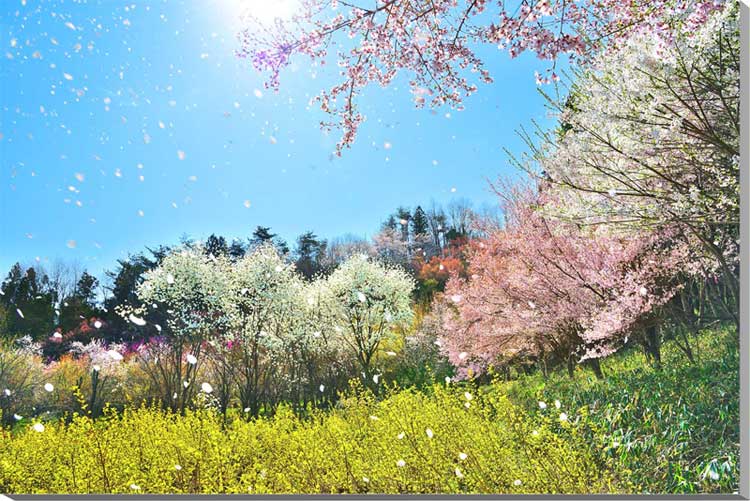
pixel 137 320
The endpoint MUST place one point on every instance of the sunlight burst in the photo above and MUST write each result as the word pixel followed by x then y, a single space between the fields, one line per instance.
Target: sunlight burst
pixel 265 11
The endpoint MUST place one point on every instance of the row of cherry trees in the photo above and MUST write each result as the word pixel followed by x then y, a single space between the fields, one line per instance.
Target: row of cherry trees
pixel 632 221
pixel 264 334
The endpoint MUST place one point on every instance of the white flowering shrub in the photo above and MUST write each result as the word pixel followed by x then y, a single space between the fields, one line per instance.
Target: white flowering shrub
pixel 367 302
pixel 193 290
pixel 266 313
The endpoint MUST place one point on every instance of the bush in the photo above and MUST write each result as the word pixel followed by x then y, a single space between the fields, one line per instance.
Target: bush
pixel 407 443
pixel 21 377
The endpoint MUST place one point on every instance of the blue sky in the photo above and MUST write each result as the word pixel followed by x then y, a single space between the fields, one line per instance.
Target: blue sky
pixel 97 94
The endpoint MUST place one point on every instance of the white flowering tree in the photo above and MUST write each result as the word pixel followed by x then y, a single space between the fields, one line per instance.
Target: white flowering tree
pixel 267 311
pixel 194 292
pixel 650 138
pixel 367 301
pixel 325 359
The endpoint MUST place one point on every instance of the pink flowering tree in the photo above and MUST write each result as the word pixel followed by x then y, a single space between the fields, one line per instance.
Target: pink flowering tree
pixel 433 42
pixel 547 290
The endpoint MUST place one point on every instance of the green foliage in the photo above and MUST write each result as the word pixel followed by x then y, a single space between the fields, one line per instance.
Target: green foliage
pixel 27 299
pixel 670 430
pixel 447 442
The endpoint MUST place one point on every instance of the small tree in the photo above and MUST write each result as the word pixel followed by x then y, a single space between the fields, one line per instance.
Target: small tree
pixel 193 290
pixel 367 300
pixel 267 306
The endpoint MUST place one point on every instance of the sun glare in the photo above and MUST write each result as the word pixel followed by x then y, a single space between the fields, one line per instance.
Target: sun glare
pixel 265 11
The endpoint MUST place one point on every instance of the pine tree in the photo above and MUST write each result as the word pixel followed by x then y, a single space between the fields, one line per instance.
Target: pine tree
pixel 419 223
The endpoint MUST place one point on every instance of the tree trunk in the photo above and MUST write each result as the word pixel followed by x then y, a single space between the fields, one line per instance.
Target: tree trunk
pixel 596 366
pixel 653 345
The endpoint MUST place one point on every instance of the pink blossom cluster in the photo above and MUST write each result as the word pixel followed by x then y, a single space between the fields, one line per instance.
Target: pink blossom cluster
pixel 545 285
pixel 432 42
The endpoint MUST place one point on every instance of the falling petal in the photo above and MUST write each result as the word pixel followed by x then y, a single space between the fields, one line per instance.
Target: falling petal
pixel 136 320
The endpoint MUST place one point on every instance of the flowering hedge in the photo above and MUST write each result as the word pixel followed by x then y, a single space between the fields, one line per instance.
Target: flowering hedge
pixel 452 441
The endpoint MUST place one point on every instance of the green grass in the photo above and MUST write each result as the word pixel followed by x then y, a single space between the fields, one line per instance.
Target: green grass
pixel 671 430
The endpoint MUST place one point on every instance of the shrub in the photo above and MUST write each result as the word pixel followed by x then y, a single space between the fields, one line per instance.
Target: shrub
pixel 21 374
pixel 407 443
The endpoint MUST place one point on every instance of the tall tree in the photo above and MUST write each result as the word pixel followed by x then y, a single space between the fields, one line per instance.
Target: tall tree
pixel 29 301
pixel 80 305
pixel 309 254
pixel 262 235
pixel 403 217
pixel 419 222
pixel 237 249
pixel 437 223
pixel 123 288
pixel 216 246
pixel 390 223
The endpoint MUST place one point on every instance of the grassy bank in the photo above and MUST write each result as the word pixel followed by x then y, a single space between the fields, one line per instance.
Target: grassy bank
pixel 674 429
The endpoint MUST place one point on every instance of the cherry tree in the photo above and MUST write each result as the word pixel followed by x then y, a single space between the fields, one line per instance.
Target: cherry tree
pixel 367 301
pixel 541 286
pixel 434 42
pixel 390 246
